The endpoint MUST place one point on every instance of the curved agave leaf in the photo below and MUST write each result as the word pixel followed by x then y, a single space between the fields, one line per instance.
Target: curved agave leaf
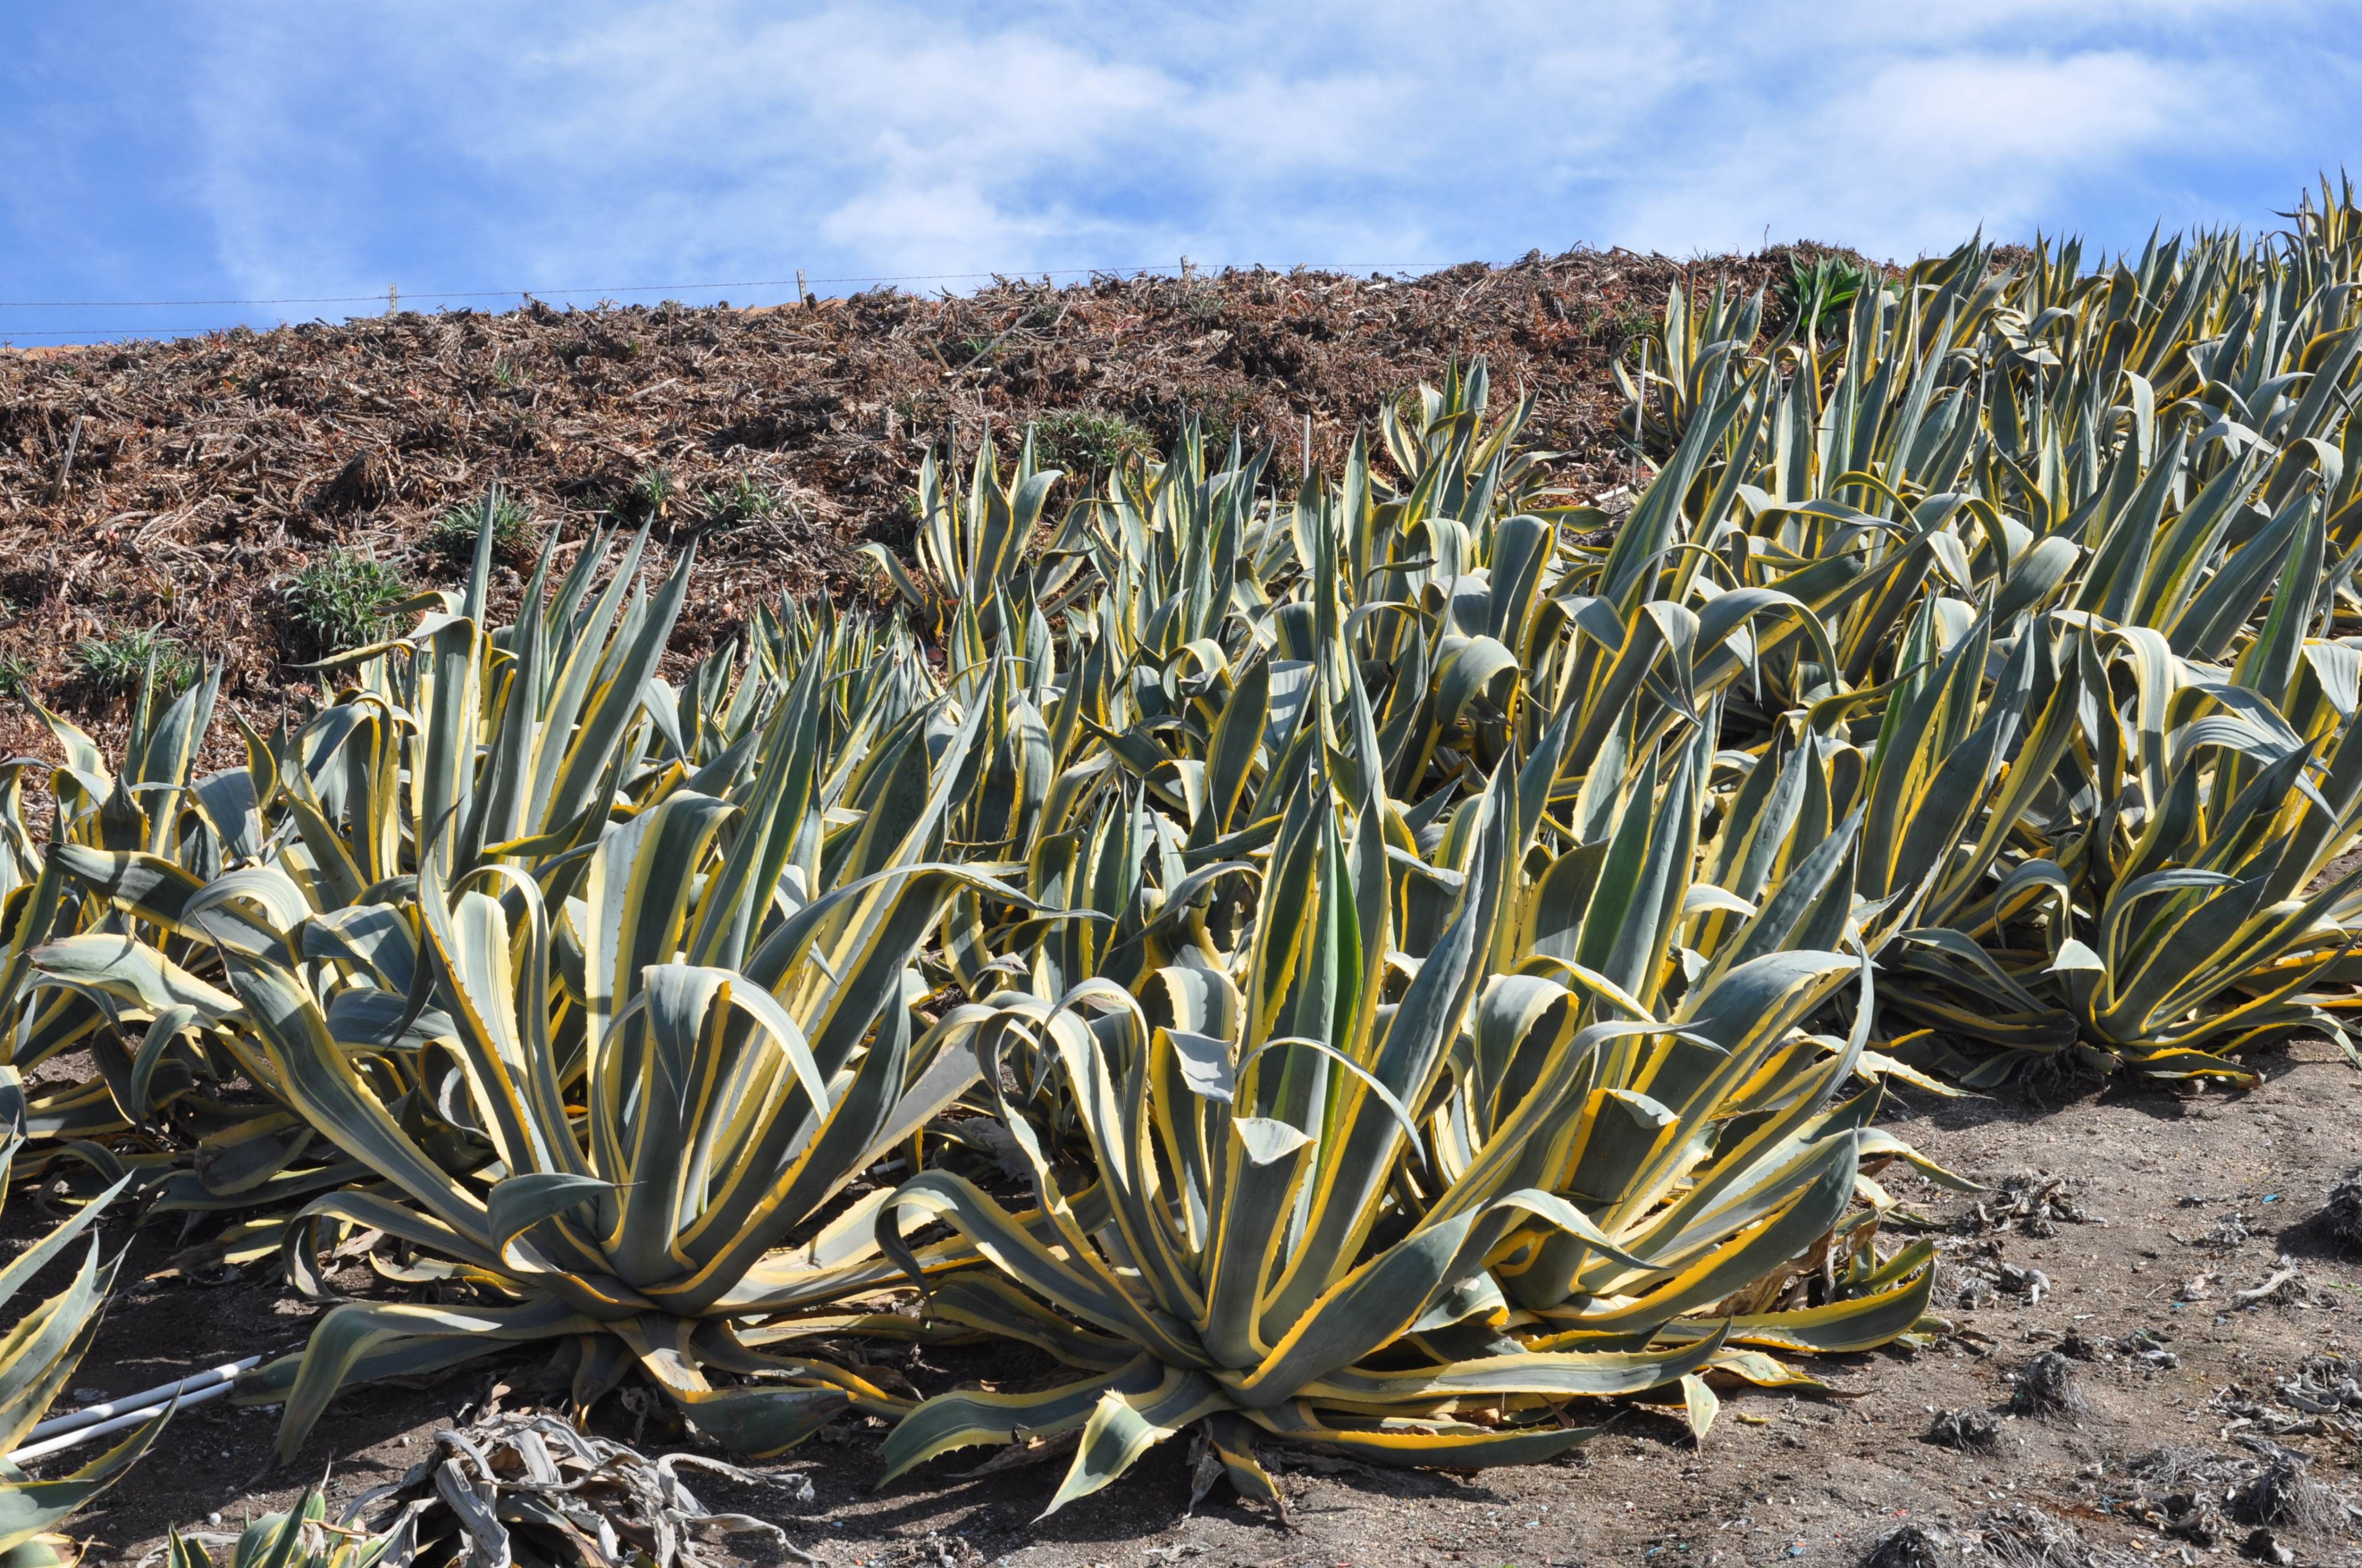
pixel 1251 1261
pixel 41 1349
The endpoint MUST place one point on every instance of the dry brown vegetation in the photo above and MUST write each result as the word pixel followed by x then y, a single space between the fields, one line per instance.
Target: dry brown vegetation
pixel 178 485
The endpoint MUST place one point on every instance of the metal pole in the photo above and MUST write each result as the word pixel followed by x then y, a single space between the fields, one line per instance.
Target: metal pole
pixel 74 1419
pixel 69 1440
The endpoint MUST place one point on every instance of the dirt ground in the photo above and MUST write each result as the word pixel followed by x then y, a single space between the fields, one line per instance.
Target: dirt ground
pixel 2185 1202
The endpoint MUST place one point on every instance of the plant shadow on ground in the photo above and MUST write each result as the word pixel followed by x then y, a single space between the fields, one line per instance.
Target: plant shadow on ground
pixel 998 1510
pixel 2040 1093
pixel 217 1458
pixel 2305 1241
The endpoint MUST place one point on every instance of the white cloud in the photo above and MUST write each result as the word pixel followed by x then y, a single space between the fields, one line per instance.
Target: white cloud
pixel 466 144
pixel 1920 151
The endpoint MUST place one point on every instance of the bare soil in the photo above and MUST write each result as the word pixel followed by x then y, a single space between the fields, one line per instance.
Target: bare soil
pixel 2186 1202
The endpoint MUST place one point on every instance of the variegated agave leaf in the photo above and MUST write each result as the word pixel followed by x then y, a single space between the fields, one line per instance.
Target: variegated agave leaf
pixel 456 745
pixel 152 806
pixel 1312 1145
pixel 970 558
pixel 299 1537
pixel 669 1080
pixel 42 1347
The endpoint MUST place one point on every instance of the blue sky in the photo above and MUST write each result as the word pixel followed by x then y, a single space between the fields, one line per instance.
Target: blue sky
pixel 230 151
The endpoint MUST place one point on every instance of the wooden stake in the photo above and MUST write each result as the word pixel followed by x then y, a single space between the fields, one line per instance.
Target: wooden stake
pixel 65 469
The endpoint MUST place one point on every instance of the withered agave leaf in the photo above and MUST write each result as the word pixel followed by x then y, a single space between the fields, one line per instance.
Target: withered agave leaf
pixel 522 1488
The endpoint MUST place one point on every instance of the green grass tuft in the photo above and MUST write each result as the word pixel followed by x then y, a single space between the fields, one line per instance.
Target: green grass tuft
pixel 342 600
pixel 1084 443
pixel 113 665
pixel 454 535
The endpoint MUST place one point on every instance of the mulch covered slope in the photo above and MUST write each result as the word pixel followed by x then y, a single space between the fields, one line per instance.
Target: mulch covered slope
pixel 177 485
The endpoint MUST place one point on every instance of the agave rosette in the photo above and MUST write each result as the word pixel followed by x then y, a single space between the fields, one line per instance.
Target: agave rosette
pixel 1322 1151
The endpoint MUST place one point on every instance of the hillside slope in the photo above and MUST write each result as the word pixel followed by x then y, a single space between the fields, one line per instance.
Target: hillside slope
pixel 177 485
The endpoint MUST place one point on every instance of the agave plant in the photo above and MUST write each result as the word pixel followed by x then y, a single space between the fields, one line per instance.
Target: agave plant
pixel 446 740
pixel 152 806
pixel 1811 296
pixel 1307 1174
pixel 737 1063
pixel 456 974
pixel 38 1358
pixel 2183 924
pixel 970 558
pixel 2068 534
pixel 1717 1156
pixel 1431 952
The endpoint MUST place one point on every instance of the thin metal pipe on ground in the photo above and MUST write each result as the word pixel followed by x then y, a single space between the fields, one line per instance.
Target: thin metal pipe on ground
pixel 161 1394
pixel 78 1427
pixel 83 1435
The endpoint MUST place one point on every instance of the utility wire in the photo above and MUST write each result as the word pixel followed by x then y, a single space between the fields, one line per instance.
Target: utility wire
pixel 686 288
pixel 6 332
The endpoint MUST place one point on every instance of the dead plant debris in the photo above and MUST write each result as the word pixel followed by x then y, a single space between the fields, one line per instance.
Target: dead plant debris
pixel 205 471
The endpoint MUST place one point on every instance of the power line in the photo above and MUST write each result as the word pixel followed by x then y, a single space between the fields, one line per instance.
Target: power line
pixel 6 332
pixel 686 288
pixel 477 293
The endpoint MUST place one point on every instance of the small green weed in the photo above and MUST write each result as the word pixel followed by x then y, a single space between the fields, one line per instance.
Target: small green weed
pixel 653 494
pixel 15 675
pixel 454 534
pixel 342 600
pixel 113 665
pixel 740 500
pixel 1630 325
pixel 1084 443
